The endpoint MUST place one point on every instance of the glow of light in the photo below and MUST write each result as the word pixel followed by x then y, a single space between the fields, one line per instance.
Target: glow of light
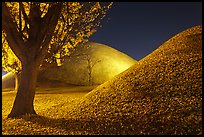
pixel 7 76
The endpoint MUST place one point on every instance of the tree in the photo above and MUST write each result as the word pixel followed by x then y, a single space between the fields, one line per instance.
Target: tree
pixel 90 65
pixel 39 32
pixel 86 57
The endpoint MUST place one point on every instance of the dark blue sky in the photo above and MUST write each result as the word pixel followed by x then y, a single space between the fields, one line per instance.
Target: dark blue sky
pixel 138 28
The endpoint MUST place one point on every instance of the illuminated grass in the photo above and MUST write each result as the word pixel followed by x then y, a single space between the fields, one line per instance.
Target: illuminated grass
pixel 161 94
pixel 49 104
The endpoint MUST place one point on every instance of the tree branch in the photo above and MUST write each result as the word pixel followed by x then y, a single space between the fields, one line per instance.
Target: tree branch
pixel 51 20
pixel 27 21
pixel 21 30
pixel 20 20
pixel 95 62
pixel 13 37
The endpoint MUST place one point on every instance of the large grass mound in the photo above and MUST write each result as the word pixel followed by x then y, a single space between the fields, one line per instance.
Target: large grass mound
pixel 161 94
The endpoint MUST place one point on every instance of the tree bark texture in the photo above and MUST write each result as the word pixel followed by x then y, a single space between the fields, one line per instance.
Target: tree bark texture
pixel 30 52
pixel 23 103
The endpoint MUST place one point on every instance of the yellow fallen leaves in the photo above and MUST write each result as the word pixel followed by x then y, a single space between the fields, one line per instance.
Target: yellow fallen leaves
pixel 159 95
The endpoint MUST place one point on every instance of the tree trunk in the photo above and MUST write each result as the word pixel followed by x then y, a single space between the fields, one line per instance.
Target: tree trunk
pixel 89 70
pixel 23 103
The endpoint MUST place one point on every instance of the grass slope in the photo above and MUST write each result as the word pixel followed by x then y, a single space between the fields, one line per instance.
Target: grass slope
pixel 161 94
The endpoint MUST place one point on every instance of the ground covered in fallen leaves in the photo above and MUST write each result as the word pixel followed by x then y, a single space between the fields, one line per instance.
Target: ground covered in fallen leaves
pixel 160 95
pixel 51 105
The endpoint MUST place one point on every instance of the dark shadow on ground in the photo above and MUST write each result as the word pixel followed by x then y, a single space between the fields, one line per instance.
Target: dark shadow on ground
pixel 82 126
pixel 114 126
pixel 70 125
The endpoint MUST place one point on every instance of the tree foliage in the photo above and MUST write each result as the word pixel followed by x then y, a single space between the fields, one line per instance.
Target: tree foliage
pixel 10 63
pixel 78 21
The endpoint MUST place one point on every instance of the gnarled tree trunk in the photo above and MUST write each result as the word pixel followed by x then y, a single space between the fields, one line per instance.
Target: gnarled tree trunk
pixel 30 50
pixel 23 103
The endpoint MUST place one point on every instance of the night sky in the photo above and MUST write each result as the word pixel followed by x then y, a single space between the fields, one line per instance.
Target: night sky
pixel 138 28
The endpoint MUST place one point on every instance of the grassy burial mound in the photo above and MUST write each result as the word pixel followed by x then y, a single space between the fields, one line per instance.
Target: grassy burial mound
pixel 89 64
pixel 161 94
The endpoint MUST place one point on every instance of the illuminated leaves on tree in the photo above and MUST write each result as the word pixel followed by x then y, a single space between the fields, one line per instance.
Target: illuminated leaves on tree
pixel 77 22
pixel 9 60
